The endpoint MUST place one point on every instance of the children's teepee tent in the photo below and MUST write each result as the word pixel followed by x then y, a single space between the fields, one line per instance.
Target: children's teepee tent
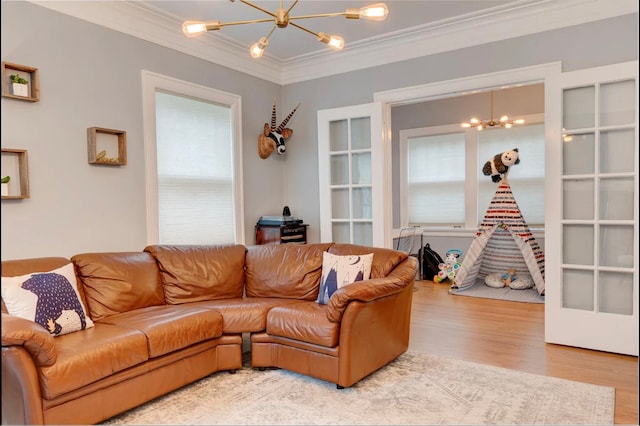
pixel 503 241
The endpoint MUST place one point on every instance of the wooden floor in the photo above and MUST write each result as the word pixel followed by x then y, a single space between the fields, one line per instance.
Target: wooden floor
pixel 511 335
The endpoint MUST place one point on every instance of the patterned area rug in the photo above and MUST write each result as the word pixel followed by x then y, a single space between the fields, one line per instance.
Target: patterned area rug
pixel 414 389
pixel 480 289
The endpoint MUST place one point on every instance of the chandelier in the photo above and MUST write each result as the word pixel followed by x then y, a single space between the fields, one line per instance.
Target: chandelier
pixel 282 19
pixel 504 121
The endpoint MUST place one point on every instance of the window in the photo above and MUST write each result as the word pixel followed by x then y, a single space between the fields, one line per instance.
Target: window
pixel 442 184
pixel 193 163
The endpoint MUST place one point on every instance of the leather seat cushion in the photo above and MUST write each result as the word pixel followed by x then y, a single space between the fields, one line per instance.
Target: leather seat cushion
pixel 245 315
pixel 91 355
pixel 169 328
pixel 304 321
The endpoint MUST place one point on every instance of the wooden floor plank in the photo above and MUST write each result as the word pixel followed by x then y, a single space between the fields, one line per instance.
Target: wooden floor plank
pixel 511 335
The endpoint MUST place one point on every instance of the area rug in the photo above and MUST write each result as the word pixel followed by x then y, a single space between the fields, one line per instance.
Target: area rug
pixel 415 389
pixel 480 289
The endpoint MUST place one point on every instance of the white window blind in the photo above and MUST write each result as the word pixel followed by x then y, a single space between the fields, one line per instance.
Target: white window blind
pixel 195 171
pixel 436 179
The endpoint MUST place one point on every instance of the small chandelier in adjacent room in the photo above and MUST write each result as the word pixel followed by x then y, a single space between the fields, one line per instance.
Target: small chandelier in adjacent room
pixel 281 19
pixel 504 121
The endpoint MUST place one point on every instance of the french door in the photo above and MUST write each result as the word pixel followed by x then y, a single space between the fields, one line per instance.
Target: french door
pixel 353 175
pixel 591 230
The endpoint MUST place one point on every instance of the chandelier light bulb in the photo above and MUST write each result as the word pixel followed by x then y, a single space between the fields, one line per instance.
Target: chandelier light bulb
pixel 257 49
pixel 334 42
pixel 374 12
pixel 193 28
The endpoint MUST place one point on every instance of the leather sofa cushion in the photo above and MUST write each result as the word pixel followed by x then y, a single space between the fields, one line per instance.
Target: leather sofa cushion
pixel 245 315
pixel 90 355
pixel 384 260
pixel 195 273
pixel 307 322
pixel 288 271
pixel 118 282
pixel 169 328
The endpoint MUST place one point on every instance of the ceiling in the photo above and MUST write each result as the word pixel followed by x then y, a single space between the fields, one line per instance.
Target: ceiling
pixel 288 43
pixel 413 29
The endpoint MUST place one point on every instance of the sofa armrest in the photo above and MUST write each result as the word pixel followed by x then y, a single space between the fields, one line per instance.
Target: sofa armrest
pixel 362 291
pixel 35 339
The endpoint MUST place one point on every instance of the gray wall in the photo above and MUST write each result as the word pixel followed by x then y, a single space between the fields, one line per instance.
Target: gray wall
pixel 90 76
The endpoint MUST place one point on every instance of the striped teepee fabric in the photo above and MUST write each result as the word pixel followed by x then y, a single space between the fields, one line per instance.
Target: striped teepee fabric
pixel 503 241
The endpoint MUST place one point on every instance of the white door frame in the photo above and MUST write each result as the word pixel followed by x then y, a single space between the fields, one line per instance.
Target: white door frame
pixel 446 89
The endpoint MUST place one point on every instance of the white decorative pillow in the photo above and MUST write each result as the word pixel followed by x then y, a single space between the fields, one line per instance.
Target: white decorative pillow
pixel 50 299
pixel 338 271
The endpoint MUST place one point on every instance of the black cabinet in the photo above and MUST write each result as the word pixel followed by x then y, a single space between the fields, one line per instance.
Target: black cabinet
pixel 281 234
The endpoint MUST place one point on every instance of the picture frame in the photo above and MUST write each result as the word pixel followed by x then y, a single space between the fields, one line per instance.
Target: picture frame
pixel 107 147
pixel 15 90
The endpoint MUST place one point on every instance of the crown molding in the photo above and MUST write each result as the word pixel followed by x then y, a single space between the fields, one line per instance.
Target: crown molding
pixel 519 18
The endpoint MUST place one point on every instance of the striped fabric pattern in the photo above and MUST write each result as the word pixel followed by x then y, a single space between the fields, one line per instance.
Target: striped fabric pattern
pixel 503 241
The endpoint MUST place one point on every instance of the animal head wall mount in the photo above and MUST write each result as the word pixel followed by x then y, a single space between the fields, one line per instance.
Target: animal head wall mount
pixel 498 166
pixel 273 138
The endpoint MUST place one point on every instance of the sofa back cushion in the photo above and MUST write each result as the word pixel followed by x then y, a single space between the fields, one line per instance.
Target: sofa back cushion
pixel 384 260
pixel 195 273
pixel 118 282
pixel 290 271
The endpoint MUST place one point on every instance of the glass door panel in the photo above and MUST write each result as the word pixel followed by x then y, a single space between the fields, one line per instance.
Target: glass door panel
pixel 579 108
pixel 338 135
pixel 612 144
pixel 578 247
pixel 578 153
pixel 339 169
pixel 616 246
pixel 614 288
pixel 617 199
pixel 577 290
pixel 577 201
pixel 617 103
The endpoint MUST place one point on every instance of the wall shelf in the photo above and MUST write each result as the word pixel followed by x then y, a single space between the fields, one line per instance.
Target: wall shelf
pixel 28 73
pixel 107 147
pixel 15 164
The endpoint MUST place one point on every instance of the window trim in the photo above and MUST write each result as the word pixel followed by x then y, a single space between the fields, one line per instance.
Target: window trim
pixel 152 82
pixel 471 167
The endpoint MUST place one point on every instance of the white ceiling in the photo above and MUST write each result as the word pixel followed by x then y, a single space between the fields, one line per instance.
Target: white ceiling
pixel 412 29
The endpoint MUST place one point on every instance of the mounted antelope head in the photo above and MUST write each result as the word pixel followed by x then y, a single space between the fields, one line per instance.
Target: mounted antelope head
pixel 273 138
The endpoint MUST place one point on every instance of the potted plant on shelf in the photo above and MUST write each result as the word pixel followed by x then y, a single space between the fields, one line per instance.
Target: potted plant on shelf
pixel 20 85
pixel 5 185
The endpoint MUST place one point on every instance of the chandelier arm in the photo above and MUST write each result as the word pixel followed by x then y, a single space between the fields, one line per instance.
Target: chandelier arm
pixel 253 21
pixel 303 29
pixel 270 32
pixel 319 15
pixel 248 3
pixel 290 7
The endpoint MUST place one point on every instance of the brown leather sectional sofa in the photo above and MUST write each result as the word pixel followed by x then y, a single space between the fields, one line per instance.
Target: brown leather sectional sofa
pixel 170 315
